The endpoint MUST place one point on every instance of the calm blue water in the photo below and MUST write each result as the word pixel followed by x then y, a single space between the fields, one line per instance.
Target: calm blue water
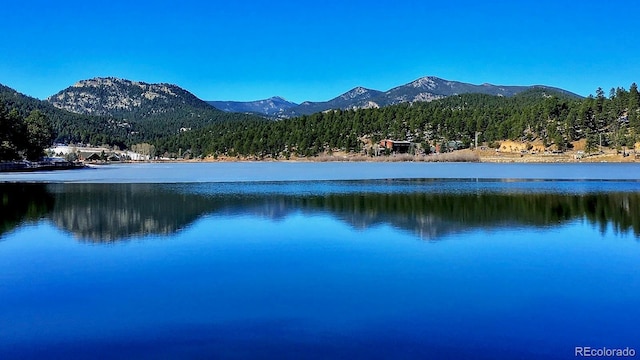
pixel 92 266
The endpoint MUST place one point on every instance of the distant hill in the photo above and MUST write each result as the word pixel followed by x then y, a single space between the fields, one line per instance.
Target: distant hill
pixel 356 98
pixel 126 99
pixel 272 106
pixel 155 110
pixel 430 88
pixel 425 89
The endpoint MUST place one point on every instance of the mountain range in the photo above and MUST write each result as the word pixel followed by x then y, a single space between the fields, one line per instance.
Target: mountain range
pixel 135 102
pixel 427 88
pixel 120 111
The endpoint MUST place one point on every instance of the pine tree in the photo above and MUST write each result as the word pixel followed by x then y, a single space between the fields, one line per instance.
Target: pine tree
pixel 39 134
pixel 634 97
pixel 591 144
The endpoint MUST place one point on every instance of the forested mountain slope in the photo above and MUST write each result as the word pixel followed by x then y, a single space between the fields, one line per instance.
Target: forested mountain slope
pixel 538 113
pixel 150 110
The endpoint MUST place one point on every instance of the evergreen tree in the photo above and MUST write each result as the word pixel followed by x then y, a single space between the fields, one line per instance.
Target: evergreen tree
pixel 39 135
pixel 591 144
pixel 634 97
pixel 12 137
pixel 23 137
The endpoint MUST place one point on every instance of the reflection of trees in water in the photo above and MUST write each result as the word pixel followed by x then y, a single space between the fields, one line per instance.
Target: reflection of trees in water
pixel 22 204
pixel 114 212
pixel 433 215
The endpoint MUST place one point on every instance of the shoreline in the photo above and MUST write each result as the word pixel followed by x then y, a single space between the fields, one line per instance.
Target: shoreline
pixel 459 156
pixel 545 159
pixel 25 166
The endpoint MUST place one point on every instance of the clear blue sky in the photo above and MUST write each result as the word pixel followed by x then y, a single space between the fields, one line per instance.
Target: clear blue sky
pixel 315 50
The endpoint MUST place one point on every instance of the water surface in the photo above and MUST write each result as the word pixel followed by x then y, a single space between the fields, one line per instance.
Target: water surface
pixel 419 268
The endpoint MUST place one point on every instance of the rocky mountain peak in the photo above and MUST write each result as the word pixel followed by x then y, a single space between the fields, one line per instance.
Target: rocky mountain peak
pixel 355 93
pixel 110 96
pixel 129 100
pixel 427 82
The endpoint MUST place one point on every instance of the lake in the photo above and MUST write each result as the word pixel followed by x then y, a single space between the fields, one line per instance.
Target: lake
pixel 320 260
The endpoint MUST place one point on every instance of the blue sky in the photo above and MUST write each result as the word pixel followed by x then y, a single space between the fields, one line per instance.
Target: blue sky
pixel 302 50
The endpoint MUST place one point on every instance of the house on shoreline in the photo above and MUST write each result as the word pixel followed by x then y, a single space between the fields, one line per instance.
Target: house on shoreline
pixel 396 146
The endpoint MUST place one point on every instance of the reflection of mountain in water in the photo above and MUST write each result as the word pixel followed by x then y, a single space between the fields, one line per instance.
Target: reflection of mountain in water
pixel 113 212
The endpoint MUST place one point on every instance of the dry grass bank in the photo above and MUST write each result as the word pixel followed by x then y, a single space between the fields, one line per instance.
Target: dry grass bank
pixel 566 157
pixel 535 152
pixel 457 156
pixel 467 155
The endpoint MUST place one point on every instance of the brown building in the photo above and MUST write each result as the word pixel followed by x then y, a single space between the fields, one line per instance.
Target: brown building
pixel 396 146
